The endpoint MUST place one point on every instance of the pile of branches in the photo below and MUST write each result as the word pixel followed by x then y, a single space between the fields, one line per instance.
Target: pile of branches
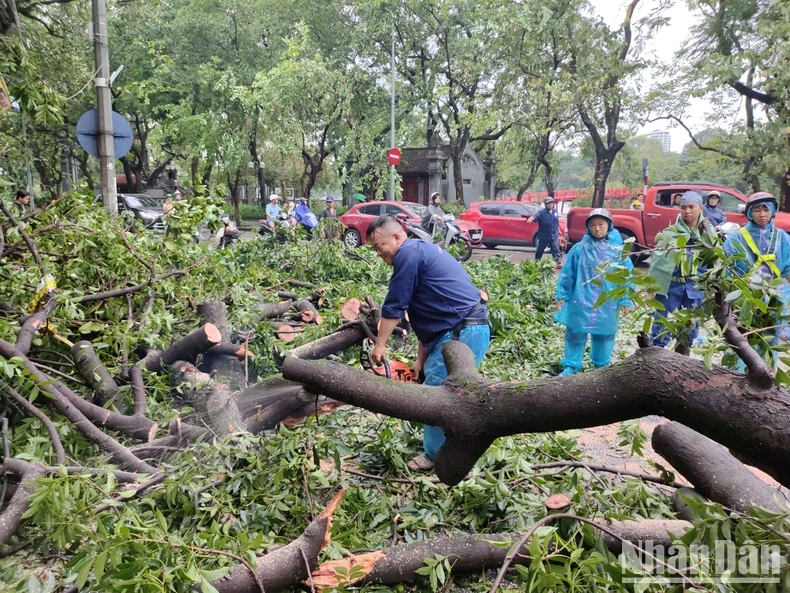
pixel 205 376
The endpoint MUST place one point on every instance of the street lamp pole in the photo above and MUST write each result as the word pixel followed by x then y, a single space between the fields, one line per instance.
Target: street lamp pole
pixel 104 107
pixel 392 114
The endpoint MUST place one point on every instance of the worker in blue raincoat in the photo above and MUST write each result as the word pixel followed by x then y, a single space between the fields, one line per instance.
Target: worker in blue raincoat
pixel 761 252
pixel 548 230
pixel 579 286
pixel 673 270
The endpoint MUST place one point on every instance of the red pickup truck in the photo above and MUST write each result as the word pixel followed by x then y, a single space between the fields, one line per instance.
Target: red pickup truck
pixel 658 213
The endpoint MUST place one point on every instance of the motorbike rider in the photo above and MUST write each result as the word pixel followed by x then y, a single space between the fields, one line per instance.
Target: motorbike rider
pixel 227 234
pixel 305 217
pixel 712 212
pixel 437 218
pixel 273 210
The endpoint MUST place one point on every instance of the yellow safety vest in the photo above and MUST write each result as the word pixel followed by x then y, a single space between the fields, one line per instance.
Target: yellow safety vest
pixel 768 258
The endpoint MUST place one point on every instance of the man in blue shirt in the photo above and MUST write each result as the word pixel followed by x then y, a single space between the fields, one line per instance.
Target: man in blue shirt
pixel 548 231
pixel 273 210
pixel 442 303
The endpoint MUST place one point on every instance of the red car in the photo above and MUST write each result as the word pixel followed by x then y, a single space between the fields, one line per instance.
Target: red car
pixel 359 217
pixel 503 222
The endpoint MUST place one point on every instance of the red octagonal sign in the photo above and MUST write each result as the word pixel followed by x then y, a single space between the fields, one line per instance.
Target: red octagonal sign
pixel 393 156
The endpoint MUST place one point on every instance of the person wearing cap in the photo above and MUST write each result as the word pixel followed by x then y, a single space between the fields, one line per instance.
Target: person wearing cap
pixel 330 214
pixel 548 230
pixel 761 252
pixel 580 284
pixel 712 212
pixel 273 210
pixel 674 273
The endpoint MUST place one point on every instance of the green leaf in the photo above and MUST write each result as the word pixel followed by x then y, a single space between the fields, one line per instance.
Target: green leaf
pixel 84 573
pixel 98 567
pixel 206 587
pixel 217 573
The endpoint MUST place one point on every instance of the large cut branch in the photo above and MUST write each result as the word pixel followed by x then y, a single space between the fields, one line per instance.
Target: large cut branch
pixel 92 369
pixel 714 472
pixel 473 412
pixel 11 518
pixel 285 567
pixel 67 406
pixel 472 553
pixel 187 348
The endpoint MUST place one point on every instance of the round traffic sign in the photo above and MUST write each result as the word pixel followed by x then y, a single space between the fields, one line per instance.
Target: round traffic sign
pixel 393 156
pixel 88 133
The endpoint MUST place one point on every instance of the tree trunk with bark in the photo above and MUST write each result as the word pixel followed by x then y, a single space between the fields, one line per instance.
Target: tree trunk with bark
pixel 732 409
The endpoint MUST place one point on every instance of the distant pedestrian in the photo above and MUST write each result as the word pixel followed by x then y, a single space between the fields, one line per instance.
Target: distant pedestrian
pixel 21 202
pixel 329 214
pixel 548 231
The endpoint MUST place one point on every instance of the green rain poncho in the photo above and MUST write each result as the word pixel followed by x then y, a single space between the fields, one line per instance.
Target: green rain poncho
pixel 667 257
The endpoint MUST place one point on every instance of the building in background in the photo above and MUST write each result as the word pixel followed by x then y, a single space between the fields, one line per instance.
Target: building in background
pixel 663 137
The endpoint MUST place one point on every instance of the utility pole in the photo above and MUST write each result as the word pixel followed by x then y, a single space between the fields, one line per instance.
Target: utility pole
pixel 391 195
pixel 104 105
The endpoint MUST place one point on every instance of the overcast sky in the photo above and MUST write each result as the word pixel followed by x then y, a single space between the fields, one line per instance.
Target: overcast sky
pixel 663 48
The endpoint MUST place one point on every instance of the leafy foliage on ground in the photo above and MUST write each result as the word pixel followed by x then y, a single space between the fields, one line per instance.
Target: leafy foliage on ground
pixel 245 495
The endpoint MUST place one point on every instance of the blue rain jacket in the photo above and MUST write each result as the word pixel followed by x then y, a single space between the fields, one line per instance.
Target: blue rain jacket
pixel 768 239
pixel 715 215
pixel 305 216
pixel 578 287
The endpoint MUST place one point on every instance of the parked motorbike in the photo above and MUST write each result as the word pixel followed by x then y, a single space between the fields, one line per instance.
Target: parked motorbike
pixel 455 241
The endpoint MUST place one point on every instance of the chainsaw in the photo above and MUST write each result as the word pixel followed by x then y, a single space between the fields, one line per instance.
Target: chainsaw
pixel 391 369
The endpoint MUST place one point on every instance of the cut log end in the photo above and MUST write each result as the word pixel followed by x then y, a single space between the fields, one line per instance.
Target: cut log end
pixel 558 502
pixel 350 310
pixel 213 334
pixel 287 333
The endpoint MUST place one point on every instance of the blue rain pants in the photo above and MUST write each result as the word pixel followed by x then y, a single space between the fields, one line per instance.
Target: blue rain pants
pixel 477 337
pixel 679 296
pixel 601 347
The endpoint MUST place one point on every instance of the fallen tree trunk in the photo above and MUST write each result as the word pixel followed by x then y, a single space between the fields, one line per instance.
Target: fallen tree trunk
pixel 715 473
pixel 31 325
pixel 196 342
pixel 331 344
pixel 470 553
pixel 272 310
pixel 285 567
pixel 724 405
pixel 224 368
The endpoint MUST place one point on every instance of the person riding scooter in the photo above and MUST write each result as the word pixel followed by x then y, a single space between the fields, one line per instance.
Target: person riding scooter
pixel 437 220
pixel 305 217
pixel 227 233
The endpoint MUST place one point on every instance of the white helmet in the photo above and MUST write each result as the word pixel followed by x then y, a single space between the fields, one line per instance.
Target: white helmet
pixel 273 197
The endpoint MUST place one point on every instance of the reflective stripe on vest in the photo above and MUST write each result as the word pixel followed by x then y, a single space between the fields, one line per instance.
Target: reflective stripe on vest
pixel 768 258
